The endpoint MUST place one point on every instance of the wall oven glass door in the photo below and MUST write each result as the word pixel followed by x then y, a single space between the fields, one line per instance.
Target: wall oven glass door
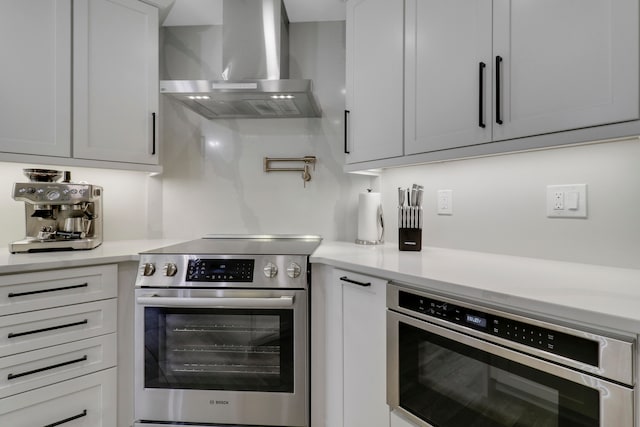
pixel 447 379
pixel 224 356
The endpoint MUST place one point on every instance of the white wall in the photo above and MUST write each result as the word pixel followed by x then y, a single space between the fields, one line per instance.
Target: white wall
pixel 499 203
pixel 213 179
pixel 125 209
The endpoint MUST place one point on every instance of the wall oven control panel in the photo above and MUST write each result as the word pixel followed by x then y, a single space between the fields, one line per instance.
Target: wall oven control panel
pixel 528 334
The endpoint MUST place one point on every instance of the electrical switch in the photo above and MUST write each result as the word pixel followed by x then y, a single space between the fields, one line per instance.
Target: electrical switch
pixel 567 201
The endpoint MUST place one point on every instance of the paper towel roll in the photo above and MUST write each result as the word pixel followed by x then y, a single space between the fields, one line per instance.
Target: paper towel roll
pixel 369 226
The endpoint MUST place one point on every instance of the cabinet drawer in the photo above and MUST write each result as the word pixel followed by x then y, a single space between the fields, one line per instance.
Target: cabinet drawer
pixel 88 401
pixel 39 368
pixel 46 289
pixel 45 328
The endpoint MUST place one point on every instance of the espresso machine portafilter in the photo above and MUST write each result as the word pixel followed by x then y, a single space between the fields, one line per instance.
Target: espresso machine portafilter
pixel 58 215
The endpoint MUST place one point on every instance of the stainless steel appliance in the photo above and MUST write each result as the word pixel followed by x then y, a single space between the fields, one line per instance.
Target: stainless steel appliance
pixel 452 364
pixel 253 81
pixel 221 332
pixel 58 215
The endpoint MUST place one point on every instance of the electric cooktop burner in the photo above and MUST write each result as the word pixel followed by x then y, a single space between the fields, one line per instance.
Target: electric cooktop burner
pixel 239 244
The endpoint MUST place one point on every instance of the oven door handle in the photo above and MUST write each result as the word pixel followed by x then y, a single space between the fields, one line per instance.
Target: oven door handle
pixel 156 301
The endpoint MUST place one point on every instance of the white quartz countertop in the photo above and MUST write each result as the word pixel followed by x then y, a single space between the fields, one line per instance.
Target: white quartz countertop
pixel 106 253
pixel 603 297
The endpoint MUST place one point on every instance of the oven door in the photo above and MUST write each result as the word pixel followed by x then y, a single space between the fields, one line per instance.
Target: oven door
pixel 438 377
pixel 221 356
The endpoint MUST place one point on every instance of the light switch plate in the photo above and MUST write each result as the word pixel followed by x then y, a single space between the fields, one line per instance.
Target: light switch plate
pixel 445 202
pixel 567 201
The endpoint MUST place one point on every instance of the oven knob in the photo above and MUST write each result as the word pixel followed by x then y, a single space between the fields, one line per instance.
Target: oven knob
pixel 293 270
pixel 270 270
pixel 147 269
pixel 170 269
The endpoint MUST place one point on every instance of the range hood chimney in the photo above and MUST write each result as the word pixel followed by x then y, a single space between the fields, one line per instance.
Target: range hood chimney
pixel 255 58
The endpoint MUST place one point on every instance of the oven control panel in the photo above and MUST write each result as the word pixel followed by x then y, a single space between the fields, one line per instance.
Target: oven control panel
pixel 220 270
pixel 524 333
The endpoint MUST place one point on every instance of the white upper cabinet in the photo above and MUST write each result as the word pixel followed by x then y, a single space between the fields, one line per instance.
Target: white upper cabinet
pixel 79 82
pixel 35 82
pixel 448 74
pixel 115 92
pixel 491 76
pixel 566 64
pixel 373 117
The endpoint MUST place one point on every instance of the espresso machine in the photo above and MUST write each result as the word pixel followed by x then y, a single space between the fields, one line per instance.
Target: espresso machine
pixel 59 216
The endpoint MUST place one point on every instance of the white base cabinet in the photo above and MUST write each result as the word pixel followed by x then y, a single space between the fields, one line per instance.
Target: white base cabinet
pixel 87 401
pixel 349 330
pixel 398 421
pixel 58 348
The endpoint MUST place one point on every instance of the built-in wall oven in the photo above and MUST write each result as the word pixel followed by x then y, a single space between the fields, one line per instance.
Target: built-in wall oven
pixel 221 333
pixel 454 364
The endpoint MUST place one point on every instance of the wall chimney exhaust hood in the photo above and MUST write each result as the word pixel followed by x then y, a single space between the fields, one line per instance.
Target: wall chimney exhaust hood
pixel 255 58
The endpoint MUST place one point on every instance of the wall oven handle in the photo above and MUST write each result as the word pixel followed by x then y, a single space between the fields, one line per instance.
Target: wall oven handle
pixel 156 301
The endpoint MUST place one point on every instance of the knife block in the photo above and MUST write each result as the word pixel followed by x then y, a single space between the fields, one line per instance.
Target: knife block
pixel 410 239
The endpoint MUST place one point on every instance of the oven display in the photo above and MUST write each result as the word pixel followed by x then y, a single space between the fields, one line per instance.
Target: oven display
pixel 220 270
pixel 476 320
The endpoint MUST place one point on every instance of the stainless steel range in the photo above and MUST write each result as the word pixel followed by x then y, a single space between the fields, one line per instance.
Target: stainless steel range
pixel 221 332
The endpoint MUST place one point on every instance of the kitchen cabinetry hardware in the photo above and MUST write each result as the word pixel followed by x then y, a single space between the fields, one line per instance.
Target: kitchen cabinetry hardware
pixel 355 282
pixel 481 68
pixel 307 160
pixel 52 328
pixel 346 131
pixel 42 291
pixel 498 67
pixel 66 420
pixel 46 368
pixel 153 134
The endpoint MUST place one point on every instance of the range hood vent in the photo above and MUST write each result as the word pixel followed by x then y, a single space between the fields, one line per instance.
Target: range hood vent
pixel 255 58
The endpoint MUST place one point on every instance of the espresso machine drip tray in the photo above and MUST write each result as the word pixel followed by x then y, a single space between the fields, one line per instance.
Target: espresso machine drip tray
pixel 59 216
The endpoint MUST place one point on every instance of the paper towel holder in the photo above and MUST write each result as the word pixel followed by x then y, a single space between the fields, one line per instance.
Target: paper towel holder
pixel 380 222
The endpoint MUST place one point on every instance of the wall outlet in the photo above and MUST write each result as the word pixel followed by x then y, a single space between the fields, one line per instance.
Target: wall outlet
pixel 567 201
pixel 445 202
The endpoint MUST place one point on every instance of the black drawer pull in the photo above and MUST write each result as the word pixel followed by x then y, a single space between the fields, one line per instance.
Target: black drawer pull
pixel 346 131
pixel 35 371
pixel 355 282
pixel 52 328
pixel 42 291
pixel 481 68
pixel 498 92
pixel 153 133
pixel 66 420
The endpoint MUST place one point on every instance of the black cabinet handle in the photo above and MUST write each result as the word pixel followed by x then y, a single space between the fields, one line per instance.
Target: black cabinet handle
pixel 66 420
pixel 52 328
pixel 346 131
pixel 498 95
pixel 481 68
pixel 42 291
pixel 355 282
pixel 47 368
pixel 153 133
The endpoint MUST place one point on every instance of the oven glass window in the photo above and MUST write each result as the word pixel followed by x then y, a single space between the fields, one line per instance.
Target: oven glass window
pixel 219 349
pixel 449 384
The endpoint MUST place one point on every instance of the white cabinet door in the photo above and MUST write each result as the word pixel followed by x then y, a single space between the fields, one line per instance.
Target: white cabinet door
pixel 447 74
pixel 88 401
pixel 364 342
pixel 115 81
pixel 399 421
pixel 566 64
pixel 35 83
pixel 374 89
